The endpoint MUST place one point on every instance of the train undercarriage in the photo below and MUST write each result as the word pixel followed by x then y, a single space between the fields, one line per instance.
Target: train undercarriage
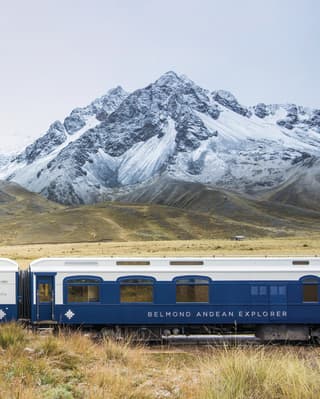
pixel 264 333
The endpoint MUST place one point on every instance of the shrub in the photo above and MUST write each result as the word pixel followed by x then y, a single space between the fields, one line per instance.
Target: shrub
pixel 12 335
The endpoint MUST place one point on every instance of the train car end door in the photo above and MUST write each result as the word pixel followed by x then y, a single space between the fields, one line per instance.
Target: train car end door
pixel 44 297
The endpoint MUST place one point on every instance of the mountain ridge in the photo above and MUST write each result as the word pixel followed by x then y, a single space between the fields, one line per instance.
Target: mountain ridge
pixel 176 128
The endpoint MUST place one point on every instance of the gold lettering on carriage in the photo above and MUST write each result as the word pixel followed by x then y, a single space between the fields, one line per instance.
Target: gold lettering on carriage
pixel 218 314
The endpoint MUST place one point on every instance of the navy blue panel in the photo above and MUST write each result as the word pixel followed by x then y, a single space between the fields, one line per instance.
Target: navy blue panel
pixel 165 292
pixel 169 314
pixel 8 313
pixel 294 292
pixel 110 293
pixel 278 313
pixel 244 302
pixel 226 292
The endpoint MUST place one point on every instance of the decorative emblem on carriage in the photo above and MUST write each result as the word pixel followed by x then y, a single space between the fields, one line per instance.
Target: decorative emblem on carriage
pixel 2 314
pixel 69 314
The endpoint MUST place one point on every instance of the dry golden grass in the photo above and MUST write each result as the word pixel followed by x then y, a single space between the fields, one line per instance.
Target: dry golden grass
pixel 262 373
pixel 306 245
pixel 72 365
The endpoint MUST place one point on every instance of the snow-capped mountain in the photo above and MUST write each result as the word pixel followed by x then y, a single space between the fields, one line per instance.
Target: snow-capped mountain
pixel 4 160
pixel 171 128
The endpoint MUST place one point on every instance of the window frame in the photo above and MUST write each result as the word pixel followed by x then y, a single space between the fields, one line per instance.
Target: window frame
pixel 149 282
pixel 207 284
pixel 66 285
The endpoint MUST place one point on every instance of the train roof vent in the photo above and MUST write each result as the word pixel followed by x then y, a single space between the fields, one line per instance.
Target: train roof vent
pixel 300 262
pixel 186 262
pixel 80 262
pixel 133 263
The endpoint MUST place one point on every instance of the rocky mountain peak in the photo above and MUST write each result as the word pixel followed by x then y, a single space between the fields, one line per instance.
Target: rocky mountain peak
pixel 228 100
pixel 171 127
pixel 117 91
pixel 54 137
pixel 169 78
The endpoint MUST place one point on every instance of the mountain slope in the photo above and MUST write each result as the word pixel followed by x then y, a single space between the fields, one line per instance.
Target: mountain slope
pixel 302 190
pixel 224 205
pixel 15 200
pixel 171 128
pixel 28 218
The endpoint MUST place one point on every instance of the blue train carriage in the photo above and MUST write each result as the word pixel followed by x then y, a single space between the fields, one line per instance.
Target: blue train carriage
pixel 276 298
pixel 8 290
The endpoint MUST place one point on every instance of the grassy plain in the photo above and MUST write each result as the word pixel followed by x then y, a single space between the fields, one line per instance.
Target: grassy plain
pixel 74 366
pixel 304 245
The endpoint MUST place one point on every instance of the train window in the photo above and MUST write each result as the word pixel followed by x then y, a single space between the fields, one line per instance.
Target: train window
pixel 83 289
pixel 45 292
pixel 84 293
pixel 258 290
pixel 278 290
pixel 192 289
pixel 310 289
pixel 310 293
pixel 282 290
pixel 273 290
pixel 262 290
pixel 136 290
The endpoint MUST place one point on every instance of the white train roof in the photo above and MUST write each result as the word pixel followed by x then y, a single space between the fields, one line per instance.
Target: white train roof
pixel 8 265
pixel 280 268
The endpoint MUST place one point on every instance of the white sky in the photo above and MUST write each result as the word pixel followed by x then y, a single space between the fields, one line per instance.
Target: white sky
pixel 60 54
